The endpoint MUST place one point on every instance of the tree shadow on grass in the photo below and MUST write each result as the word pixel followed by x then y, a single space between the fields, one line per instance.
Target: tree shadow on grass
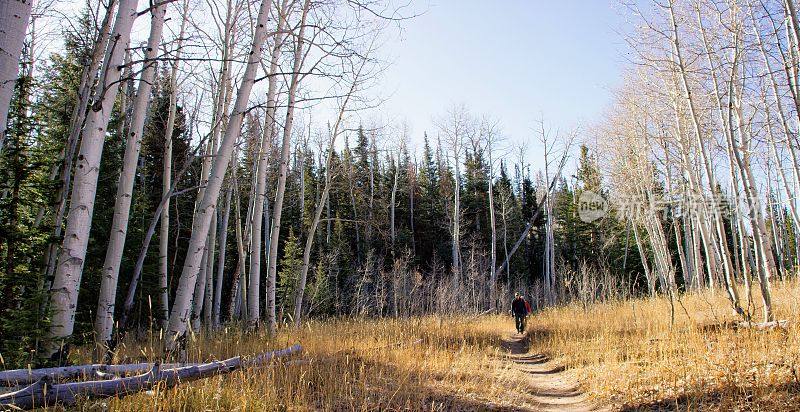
pixel 726 398
pixel 418 390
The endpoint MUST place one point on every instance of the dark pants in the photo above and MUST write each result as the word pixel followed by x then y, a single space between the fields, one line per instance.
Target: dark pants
pixel 520 321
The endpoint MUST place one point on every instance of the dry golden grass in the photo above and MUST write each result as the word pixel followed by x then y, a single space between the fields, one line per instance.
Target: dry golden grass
pixel 416 364
pixel 629 355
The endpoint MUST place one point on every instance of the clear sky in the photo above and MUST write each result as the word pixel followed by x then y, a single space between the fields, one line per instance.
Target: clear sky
pixel 516 60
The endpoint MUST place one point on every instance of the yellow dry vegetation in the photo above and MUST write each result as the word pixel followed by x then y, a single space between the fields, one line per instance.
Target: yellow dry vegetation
pixel 630 355
pixel 426 363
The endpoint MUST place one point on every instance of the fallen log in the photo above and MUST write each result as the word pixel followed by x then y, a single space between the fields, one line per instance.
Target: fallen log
pixel 44 392
pixel 17 377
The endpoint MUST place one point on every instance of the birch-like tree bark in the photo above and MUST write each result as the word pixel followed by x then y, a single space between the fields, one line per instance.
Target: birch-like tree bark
pixel 455 128
pixel 14 18
pixel 223 241
pixel 720 248
pixel 202 219
pixel 104 318
pixel 489 132
pixel 64 291
pixel 277 210
pixel 238 292
pixel 208 294
pixel 393 202
pixel 89 77
pixel 254 287
pixel 166 177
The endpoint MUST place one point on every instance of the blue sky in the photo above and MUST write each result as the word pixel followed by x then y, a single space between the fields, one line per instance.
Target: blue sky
pixel 515 60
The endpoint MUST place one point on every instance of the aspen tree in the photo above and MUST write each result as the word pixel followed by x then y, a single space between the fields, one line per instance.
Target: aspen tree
pixel 14 18
pixel 166 176
pixel 104 317
pixel 323 200
pixel 277 210
pixel 254 287
pixel 207 206
pixel 64 290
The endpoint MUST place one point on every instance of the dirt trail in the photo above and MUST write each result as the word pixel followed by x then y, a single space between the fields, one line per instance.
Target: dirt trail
pixel 548 383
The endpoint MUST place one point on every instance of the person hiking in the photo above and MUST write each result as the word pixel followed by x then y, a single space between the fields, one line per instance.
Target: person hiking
pixel 520 308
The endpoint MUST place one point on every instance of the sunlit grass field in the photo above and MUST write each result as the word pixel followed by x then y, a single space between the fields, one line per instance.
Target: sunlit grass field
pixel 630 354
pixel 626 355
pixel 426 363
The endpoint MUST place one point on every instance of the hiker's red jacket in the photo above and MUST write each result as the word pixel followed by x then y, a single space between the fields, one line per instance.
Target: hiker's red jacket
pixel 520 307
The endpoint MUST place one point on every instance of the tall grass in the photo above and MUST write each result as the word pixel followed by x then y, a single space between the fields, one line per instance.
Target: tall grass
pixel 628 354
pixel 631 355
pixel 428 363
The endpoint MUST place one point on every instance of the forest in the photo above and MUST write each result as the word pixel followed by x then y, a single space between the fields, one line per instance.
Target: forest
pixel 185 181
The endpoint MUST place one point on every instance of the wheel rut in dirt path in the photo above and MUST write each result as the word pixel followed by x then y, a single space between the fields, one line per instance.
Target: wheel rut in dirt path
pixel 548 383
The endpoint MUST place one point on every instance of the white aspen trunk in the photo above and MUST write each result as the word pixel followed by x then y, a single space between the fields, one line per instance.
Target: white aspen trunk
pixel 716 219
pixel 210 270
pixel 676 225
pixel 685 267
pixel 202 220
pixel 696 250
pixel 66 284
pixel 223 240
pixel 392 206
pixel 457 217
pixel 662 255
pixel 412 187
pixel 323 202
pixel 790 67
pixel 237 291
pixel 14 18
pixel 741 155
pixel 200 289
pixel 104 317
pixel 283 170
pixel 88 78
pixel 248 243
pixel 329 229
pixel 301 168
pixel 763 246
pixel 694 188
pixel 785 127
pixel 770 215
pixel 493 229
pixel 267 239
pixel 688 251
pixel 254 288
pixel 220 108
pixel 549 276
pixel 643 256
pixel 221 104
pixel 745 257
pixel 791 12
pixel 166 179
